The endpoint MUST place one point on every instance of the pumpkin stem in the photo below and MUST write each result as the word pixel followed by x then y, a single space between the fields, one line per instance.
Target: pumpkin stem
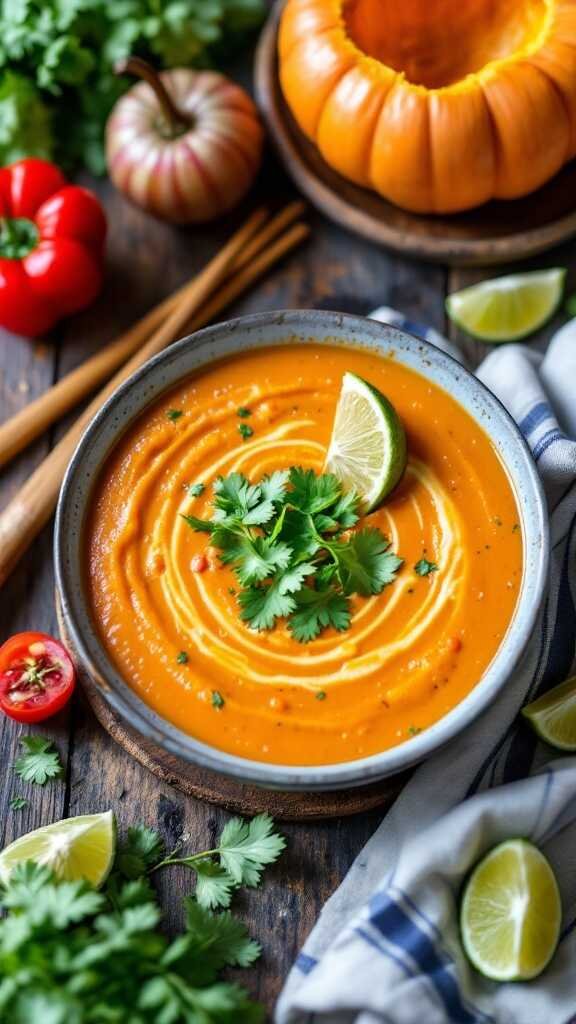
pixel 140 68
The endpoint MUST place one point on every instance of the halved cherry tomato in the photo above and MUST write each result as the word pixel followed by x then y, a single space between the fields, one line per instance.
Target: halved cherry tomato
pixel 37 677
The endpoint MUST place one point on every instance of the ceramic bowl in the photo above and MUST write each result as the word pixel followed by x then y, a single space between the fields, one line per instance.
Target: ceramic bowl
pixel 265 329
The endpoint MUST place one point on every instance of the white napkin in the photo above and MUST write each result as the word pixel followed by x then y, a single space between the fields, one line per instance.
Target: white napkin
pixel 386 949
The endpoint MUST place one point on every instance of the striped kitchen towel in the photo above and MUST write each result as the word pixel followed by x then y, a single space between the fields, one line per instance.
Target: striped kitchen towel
pixel 386 948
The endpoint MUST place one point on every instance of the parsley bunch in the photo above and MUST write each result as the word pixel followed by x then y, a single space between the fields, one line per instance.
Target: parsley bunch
pixel 284 538
pixel 71 955
pixel 57 84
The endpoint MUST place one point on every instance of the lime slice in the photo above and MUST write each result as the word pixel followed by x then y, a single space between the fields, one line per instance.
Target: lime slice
pixel 507 308
pixel 553 716
pixel 510 915
pixel 74 848
pixel 367 449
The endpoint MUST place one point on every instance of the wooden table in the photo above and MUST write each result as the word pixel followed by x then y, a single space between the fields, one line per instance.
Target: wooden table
pixel 146 261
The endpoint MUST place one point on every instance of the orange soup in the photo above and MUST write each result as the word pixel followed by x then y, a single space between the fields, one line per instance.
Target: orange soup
pixel 411 653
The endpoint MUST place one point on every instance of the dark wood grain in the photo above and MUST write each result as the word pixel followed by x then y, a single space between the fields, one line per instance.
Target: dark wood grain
pixel 497 232
pixel 146 261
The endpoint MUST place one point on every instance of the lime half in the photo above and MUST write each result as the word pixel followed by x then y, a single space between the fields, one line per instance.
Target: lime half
pixel 510 915
pixel 74 848
pixel 553 716
pixel 367 449
pixel 507 308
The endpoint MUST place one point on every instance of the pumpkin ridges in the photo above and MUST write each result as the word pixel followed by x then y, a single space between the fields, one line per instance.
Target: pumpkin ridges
pixel 524 104
pixel 322 60
pixel 351 112
pixel 302 18
pixel 461 134
pixel 558 61
pixel 400 164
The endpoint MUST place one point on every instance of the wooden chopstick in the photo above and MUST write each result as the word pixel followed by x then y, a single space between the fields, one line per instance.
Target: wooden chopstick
pixel 22 428
pixel 32 506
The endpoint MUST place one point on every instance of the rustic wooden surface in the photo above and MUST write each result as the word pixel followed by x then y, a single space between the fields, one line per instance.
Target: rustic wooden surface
pixel 146 261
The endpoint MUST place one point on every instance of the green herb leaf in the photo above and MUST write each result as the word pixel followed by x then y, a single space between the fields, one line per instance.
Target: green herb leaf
pixel 317 609
pixel 261 606
pixel 195 490
pixel 424 567
pixel 40 761
pixel 311 493
pixel 245 431
pixel 246 847
pixel 174 414
pixel 365 566
pixel 18 803
pixel 243 412
pixel 140 852
pixel 214 886
pixel 182 658
pixel 218 701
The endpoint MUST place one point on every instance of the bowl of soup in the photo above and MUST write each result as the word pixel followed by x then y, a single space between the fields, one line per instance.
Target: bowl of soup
pixel 152 609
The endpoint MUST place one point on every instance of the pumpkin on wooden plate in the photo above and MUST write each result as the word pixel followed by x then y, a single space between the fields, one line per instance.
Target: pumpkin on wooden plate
pixel 438 105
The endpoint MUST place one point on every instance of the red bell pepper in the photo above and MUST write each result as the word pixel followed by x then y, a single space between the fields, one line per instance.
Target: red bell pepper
pixel 51 246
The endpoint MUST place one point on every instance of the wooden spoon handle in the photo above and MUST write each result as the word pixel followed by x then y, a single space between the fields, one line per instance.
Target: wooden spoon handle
pixel 21 429
pixel 31 508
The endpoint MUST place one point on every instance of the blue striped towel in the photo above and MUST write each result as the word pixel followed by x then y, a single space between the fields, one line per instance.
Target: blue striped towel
pixel 386 948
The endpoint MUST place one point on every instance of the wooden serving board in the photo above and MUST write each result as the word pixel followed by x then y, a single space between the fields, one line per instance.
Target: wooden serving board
pixel 498 232
pixel 219 789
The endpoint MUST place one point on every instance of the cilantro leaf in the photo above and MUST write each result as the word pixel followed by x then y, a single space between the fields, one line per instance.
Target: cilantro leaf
pixel 18 803
pixel 40 761
pixel 317 609
pixel 253 560
pixel 195 490
pixel 200 525
pixel 220 938
pixel 214 885
pixel 273 486
pixel 245 847
pixel 424 567
pixel 365 566
pixel 141 850
pixel 311 493
pixel 262 605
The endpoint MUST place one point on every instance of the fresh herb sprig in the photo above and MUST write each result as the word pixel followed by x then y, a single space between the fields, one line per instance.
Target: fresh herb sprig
pixel 71 955
pixel 39 762
pixel 284 537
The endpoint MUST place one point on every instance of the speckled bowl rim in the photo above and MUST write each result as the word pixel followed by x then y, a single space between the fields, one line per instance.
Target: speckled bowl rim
pixel 179 361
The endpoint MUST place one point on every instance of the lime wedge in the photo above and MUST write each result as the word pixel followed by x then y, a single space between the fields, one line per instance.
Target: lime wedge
pixel 510 915
pixel 367 449
pixel 74 848
pixel 507 308
pixel 553 716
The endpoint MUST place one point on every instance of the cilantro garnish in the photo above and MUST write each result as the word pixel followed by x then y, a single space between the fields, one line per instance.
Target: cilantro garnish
pixel 321 695
pixel 195 490
pixel 174 414
pixel 218 701
pixel 182 658
pixel 284 538
pixel 245 430
pixel 40 762
pixel 18 803
pixel 75 954
pixel 424 567
pixel 243 412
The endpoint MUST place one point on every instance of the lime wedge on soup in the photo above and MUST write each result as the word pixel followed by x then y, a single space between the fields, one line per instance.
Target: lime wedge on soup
pixel 507 308
pixel 553 716
pixel 73 849
pixel 367 450
pixel 511 913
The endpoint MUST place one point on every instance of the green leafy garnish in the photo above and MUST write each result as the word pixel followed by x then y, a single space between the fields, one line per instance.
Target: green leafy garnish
pixel 40 762
pixel 243 412
pixel 182 658
pixel 71 955
pixel 242 852
pixel 284 538
pixel 57 81
pixel 174 414
pixel 195 490
pixel 217 700
pixel 245 430
pixel 424 567
pixel 17 803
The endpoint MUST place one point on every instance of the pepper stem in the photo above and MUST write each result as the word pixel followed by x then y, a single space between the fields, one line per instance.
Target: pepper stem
pixel 140 68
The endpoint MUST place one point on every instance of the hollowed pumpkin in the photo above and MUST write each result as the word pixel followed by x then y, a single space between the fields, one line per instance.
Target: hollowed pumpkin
pixel 438 105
